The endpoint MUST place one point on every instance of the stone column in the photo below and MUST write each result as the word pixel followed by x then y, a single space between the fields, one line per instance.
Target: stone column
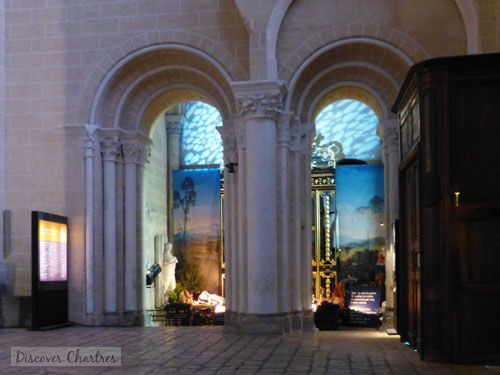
pixel 142 155
pixel 89 141
pixel 110 148
pixel 241 201
pixel 389 133
pixel 173 124
pixel 230 224
pixel 284 261
pixel 306 225
pixel 259 104
pixel 130 154
pixel 296 251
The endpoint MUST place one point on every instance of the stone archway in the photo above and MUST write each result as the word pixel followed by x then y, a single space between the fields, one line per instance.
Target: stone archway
pixel 368 70
pixel 136 91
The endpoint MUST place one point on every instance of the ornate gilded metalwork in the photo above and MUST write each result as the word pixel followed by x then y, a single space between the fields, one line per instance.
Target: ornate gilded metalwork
pixel 222 260
pixel 319 181
pixel 324 261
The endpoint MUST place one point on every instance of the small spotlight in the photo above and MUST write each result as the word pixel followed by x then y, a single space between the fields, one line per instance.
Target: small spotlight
pixel 230 167
pixel 151 273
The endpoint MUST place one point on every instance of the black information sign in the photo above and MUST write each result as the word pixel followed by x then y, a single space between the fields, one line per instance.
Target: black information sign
pixel 49 270
pixel 364 305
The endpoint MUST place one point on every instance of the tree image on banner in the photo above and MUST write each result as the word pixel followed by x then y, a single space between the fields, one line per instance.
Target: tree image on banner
pixel 185 200
pixel 196 222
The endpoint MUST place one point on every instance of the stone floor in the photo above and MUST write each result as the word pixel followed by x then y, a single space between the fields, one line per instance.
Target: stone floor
pixel 208 350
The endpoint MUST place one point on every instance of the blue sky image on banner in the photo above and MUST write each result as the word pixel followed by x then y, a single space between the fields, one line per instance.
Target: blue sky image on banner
pixel 360 207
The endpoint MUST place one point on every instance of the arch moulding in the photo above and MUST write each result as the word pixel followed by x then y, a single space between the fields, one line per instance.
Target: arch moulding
pixel 293 81
pixel 470 15
pixel 125 96
pixel 381 111
pixel 137 46
pixel 162 96
pixel 362 64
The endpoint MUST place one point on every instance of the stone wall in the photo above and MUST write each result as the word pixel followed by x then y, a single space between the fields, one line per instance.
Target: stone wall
pixel 51 49
pixel 410 25
pixel 54 55
pixel 3 270
pixel 489 25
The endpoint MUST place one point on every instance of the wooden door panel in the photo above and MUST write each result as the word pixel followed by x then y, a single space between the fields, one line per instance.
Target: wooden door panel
pixel 479 314
pixel 478 239
pixel 474 149
pixel 475 174
pixel 411 227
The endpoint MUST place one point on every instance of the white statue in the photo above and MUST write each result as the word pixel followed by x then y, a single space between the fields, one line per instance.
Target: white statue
pixel 168 271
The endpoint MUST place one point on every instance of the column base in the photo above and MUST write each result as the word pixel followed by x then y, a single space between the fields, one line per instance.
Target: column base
pixel 388 322
pixel 269 324
pixel 308 321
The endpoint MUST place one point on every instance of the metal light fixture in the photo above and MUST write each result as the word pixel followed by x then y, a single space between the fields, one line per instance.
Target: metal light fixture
pixel 151 273
pixel 230 167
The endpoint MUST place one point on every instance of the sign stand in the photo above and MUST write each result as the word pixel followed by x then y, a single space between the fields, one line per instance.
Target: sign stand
pixel 49 271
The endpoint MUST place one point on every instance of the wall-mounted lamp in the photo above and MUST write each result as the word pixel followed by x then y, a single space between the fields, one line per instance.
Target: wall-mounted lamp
pixel 151 273
pixel 230 167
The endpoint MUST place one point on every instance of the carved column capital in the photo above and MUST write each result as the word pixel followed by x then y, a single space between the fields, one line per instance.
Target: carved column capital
pixel 262 99
pixel 286 121
pixel 260 105
pixel 388 131
pixel 89 140
pixel 173 124
pixel 130 150
pixel 239 132
pixel 228 141
pixel 143 153
pixel 110 148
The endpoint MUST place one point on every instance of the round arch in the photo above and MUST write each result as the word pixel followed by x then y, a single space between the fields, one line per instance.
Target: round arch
pixel 396 54
pixel 290 59
pixel 165 98
pixel 371 75
pixel 192 67
pixel 349 90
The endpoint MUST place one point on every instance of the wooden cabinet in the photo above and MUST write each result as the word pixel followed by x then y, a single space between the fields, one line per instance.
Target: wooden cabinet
pixel 449 263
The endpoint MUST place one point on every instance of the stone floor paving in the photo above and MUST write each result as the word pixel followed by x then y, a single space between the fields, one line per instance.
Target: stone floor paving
pixel 210 350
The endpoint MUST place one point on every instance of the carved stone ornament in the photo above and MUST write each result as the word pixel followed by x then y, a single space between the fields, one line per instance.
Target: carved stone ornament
pixel 130 151
pixel 110 148
pixel 143 153
pixel 173 124
pixel 390 143
pixel 227 136
pixel 389 135
pixel 89 141
pixel 261 105
pixel 228 141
